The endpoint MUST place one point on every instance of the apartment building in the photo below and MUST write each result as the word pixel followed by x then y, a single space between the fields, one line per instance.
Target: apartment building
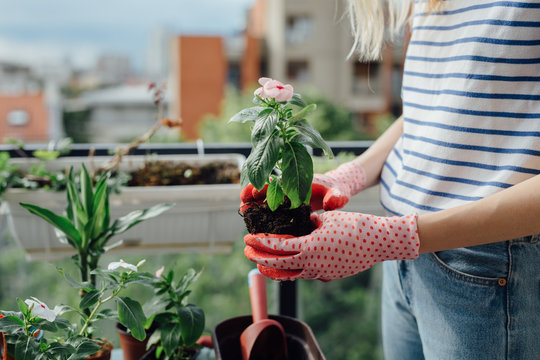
pixel 306 42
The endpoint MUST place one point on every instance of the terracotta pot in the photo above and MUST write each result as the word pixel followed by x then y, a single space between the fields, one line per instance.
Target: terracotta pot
pixel 104 353
pixel 132 348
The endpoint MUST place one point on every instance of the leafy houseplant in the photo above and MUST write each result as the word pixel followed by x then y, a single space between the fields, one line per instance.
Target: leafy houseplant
pixel 279 158
pixel 25 328
pixel 87 226
pixel 178 325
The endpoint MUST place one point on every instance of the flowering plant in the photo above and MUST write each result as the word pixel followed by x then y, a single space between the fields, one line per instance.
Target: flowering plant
pixel 279 137
pixel 25 328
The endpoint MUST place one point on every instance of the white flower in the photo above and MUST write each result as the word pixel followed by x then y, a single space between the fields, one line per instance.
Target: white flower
pixel 117 264
pixel 40 309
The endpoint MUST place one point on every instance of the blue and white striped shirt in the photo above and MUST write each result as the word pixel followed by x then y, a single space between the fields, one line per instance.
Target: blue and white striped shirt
pixel 471 105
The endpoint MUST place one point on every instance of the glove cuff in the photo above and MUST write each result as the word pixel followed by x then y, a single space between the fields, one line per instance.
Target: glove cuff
pixel 405 231
pixel 350 175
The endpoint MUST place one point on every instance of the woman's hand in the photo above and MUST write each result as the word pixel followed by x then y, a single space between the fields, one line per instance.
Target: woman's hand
pixel 343 244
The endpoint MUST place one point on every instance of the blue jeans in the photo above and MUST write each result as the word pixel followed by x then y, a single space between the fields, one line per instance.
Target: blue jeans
pixel 475 303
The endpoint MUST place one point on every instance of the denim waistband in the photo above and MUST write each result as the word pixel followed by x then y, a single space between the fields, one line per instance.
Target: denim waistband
pixel 527 239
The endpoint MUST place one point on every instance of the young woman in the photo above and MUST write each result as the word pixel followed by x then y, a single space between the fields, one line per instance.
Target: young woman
pixel 460 176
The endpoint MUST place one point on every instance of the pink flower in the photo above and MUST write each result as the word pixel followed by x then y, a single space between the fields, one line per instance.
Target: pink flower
pixel 274 89
pixel 159 271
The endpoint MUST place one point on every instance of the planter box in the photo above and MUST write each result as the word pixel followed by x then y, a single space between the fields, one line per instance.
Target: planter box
pixel 205 218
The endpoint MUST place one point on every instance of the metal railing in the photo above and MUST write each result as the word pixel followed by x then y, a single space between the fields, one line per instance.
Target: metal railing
pixel 199 147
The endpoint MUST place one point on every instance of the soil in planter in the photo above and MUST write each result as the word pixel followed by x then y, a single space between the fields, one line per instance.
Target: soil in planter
pixel 162 173
pixel 296 222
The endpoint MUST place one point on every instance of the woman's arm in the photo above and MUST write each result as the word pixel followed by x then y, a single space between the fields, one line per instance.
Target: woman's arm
pixel 372 160
pixel 508 214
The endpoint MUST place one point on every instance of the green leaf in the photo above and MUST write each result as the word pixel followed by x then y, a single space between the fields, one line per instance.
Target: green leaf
pixel 261 161
pixel 26 348
pixel 133 218
pixel 303 113
pixel 315 139
pixel 86 191
pixel 80 217
pixel 60 351
pixel 264 126
pixel 61 223
pixel 245 115
pixel 46 154
pixel 23 307
pixel 297 100
pixel 171 335
pixel 297 175
pixel 101 212
pixel 131 315
pixel 89 299
pixel 45 325
pixel 154 338
pixel 10 324
pixel 191 323
pixel 274 194
pixel 84 347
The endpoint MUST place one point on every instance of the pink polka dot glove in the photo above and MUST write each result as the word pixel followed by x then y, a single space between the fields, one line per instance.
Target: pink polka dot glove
pixel 343 244
pixel 333 190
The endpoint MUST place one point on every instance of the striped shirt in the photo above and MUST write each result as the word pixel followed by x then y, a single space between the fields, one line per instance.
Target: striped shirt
pixel 471 105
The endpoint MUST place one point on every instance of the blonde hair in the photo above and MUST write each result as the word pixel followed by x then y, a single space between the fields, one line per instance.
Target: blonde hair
pixel 370 19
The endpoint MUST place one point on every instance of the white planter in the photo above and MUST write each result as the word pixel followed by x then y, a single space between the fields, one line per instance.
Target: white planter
pixel 205 218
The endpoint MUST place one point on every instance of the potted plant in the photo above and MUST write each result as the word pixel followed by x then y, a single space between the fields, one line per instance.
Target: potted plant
pixel 25 329
pixel 176 325
pixel 279 166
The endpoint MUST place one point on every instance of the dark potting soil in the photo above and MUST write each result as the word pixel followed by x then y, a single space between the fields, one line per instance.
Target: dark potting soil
pixel 161 173
pixel 296 222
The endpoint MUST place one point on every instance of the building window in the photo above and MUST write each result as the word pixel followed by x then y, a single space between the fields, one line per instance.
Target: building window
pixel 365 77
pixel 298 71
pixel 298 29
pixel 18 118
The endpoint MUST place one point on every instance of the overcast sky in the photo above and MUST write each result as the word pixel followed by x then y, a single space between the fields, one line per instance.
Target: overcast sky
pixel 44 30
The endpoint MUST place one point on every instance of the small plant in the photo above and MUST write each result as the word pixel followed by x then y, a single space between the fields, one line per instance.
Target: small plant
pixel 87 225
pixel 279 137
pixel 25 328
pixel 178 324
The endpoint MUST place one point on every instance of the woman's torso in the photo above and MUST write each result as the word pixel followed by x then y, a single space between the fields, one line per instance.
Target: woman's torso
pixel 471 105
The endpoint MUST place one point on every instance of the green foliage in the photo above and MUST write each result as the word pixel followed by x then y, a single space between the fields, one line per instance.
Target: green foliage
pixel 87 226
pixel 178 325
pixel 334 122
pixel 279 138
pixel 217 129
pixel 70 342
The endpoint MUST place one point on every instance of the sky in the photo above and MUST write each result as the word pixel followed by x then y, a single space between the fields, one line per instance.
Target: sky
pixel 37 31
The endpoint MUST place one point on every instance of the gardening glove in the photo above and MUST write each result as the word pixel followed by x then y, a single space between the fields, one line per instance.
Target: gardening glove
pixel 329 191
pixel 250 196
pixel 333 189
pixel 343 244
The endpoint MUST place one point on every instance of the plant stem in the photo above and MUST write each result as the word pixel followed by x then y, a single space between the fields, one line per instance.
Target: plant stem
pixel 96 308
